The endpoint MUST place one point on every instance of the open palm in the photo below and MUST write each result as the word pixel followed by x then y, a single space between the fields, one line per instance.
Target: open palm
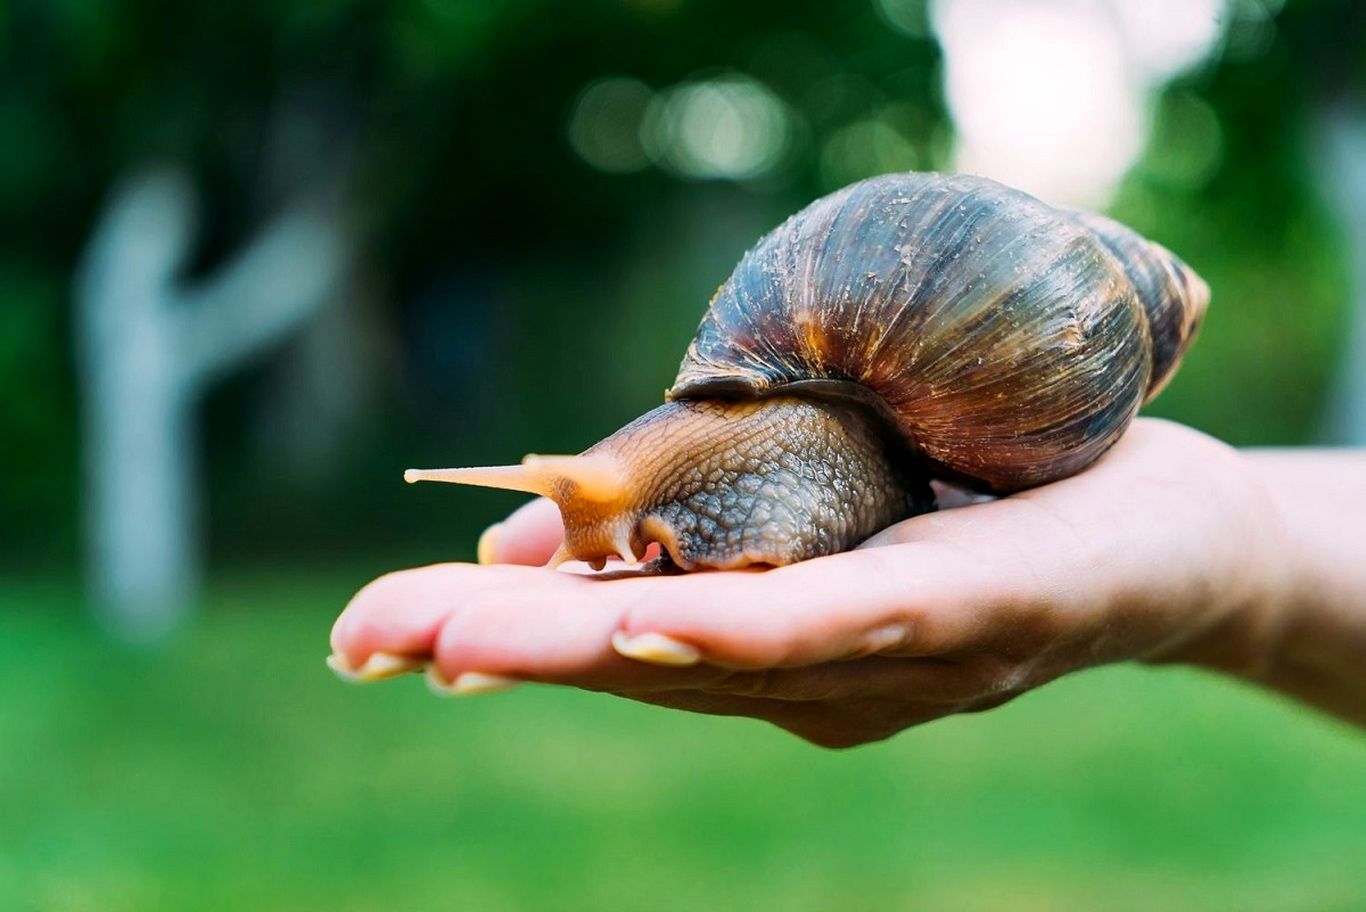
pixel 1146 555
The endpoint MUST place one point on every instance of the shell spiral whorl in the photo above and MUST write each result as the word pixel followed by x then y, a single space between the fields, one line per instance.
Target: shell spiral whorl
pixel 1010 342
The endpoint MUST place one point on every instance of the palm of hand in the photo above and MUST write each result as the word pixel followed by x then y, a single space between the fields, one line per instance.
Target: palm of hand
pixel 1142 556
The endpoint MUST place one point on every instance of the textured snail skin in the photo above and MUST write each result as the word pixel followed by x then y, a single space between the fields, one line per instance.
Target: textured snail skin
pixel 908 327
pixel 725 483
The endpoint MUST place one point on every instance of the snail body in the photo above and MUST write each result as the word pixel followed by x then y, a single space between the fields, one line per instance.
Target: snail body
pixel 908 327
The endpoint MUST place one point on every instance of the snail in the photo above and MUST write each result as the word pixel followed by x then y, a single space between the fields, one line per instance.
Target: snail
pixel 906 328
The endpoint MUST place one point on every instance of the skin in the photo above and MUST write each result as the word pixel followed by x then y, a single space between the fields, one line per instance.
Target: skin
pixel 1172 548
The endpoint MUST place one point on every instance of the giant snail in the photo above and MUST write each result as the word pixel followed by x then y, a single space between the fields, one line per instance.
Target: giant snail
pixel 908 327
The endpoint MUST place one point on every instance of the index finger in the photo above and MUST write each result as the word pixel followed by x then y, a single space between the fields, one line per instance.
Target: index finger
pixel 548 625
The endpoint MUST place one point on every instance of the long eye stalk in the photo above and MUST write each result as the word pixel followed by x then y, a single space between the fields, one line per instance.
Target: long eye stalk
pixel 596 477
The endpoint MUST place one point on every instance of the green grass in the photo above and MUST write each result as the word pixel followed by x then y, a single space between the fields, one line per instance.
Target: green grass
pixel 230 770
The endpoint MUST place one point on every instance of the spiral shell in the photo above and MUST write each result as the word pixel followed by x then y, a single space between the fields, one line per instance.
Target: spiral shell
pixel 1009 343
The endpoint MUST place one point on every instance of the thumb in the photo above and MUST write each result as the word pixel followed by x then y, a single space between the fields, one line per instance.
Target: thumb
pixel 528 536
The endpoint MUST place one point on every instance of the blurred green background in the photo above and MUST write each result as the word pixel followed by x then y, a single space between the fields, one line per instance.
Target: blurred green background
pixel 511 215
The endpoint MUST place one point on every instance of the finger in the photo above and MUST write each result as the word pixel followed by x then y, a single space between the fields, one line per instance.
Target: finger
pixel 399 613
pixel 530 622
pixel 555 628
pixel 822 724
pixel 528 536
pixel 549 627
pixel 876 678
pixel 789 716
pixel 839 607
pixel 513 622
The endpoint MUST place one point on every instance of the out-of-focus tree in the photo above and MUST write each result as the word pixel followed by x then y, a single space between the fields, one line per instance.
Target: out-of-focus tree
pixel 148 346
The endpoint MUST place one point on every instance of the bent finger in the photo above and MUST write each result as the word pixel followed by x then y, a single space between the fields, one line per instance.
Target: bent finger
pixel 513 622
pixel 785 715
pixel 898 599
pixel 879 678
pixel 822 724
pixel 529 535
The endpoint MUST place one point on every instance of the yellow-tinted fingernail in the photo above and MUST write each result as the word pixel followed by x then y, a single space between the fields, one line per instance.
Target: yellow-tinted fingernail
pixel 341 667
pixel 656 648
pixel 888 636
pixel 379 666
pixel 383 665
pixel 476 682
pixel 467 684
pixel 487 541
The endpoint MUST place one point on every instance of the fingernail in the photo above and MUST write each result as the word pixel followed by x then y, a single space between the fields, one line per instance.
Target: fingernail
pixel 341 667
pixel 379 666
pixel 886 637
pixel 487 542
pixel 656 648
pixel 467 684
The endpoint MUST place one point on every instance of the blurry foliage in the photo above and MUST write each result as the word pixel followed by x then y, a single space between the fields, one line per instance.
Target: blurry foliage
pixel 536 303
pixel 1226 181
pixel 37 433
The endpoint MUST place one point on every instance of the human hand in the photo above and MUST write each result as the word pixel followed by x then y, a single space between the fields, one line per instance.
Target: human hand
pixel 1169 548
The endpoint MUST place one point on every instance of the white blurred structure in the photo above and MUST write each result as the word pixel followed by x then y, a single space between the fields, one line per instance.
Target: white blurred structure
pixel 1051 96
pixel 148 346
pixel 1342 145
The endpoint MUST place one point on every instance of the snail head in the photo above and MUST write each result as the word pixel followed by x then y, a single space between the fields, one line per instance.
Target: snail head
pixel 593 491
pixel 718 484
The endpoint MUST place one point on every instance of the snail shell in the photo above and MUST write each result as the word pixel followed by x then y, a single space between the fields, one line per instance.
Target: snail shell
pixel 1008 342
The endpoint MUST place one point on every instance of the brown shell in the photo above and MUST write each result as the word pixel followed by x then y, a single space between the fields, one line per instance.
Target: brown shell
pixel 1009 342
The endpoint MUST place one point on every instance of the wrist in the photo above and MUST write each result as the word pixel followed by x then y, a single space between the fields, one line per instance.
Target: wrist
pixel 1299 627
pixel 1242 642
pixel 1256 596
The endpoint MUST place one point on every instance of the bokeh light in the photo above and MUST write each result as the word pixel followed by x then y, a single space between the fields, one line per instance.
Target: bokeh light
pixel 604 128
pixel 906 16
pixel 866 147
pixel 730 126
pixel 1186 143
